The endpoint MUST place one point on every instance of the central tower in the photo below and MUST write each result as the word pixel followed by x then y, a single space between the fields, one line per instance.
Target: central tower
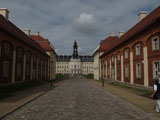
pixel 75 50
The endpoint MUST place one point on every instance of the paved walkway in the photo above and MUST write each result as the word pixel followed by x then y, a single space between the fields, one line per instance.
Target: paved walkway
pixel 129 95
pixel 22 97
pixel 78 99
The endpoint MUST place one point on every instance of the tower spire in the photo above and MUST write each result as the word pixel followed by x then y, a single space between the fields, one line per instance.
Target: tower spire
pixel 75 50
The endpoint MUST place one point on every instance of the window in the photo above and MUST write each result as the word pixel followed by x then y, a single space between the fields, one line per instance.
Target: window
pixel 27 70
pixel 138 71
pixel 34 59
pixel 118 69
pixel 19 53
pixel 118 56
pixel 28 56
pixel 156 69
pixel 155 43
pixel 126 54
pixel 112 58
pixel 126 71
pixel 5 69
pixel 108 61
pixel 137 49
pixel 7 49
pixel 19 69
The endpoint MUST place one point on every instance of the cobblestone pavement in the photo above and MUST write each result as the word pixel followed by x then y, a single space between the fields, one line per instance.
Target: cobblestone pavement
pixel 78 99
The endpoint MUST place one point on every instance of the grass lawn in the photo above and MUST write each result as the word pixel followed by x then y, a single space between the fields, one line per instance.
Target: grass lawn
pixel 7 91
pixel 88 76
pixel 139 91
pixel 61 76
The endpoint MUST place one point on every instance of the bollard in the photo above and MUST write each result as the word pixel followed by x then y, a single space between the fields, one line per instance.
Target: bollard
pixel 51 83
pixel 102 82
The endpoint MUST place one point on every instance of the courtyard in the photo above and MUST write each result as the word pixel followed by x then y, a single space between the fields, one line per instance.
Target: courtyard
pixel 79 99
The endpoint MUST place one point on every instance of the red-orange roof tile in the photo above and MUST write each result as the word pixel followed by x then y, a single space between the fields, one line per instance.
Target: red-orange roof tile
pixel 45 46
pixel 43 43
pixel 140 26
pixel 38 38
pixel 15 31
pixel 107 43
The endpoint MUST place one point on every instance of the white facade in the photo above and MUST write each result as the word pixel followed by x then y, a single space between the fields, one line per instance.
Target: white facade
pixel 52 62
pixel 74 66
pixel 97 65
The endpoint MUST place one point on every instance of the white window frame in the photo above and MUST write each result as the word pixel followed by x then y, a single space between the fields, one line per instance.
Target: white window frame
pixel 138 70
pixel 155 45
pixel 138 49
pixel 156 70
pixel 126 54
pixel 126 71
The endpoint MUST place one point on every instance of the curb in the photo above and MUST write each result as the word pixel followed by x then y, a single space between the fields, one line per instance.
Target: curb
pixel 3 116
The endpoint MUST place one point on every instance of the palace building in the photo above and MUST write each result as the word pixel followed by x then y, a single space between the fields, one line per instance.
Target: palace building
pixel 21 58
pixel 75 63
pixel 135 56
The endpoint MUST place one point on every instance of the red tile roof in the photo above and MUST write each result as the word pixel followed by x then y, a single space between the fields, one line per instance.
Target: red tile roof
pixel 15 31
pixel 45 46
pixel 44 43
pixel 107 43
pixel 140 26
pixel 38 38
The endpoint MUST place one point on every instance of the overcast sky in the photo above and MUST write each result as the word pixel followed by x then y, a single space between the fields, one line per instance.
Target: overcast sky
pixel 87 21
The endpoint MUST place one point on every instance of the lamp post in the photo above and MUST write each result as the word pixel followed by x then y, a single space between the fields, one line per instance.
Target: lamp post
pixel 51 71
pixel 102 74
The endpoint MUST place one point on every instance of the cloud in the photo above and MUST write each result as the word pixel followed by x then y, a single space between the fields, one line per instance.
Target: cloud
pixel 85 24
pixel 87 21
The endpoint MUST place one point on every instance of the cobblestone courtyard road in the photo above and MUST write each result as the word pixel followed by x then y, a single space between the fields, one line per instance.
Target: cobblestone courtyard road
pixel 78 99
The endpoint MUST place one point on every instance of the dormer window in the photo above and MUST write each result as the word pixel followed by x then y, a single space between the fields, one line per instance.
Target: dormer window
pixel 155 43
pixel 137 47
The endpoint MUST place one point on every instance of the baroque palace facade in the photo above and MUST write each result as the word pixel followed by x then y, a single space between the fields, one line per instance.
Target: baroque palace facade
pixel 22 56
pixel 135 55
pixel 74 64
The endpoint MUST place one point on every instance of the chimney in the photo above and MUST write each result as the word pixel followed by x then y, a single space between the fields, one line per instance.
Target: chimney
pixel 111 34
pixel 4 12
pixel 27 32
pixel 142 14
pixel 37 33
pixel 121 33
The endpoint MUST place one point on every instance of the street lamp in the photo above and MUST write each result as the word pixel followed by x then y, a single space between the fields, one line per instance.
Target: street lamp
pixel 51 71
